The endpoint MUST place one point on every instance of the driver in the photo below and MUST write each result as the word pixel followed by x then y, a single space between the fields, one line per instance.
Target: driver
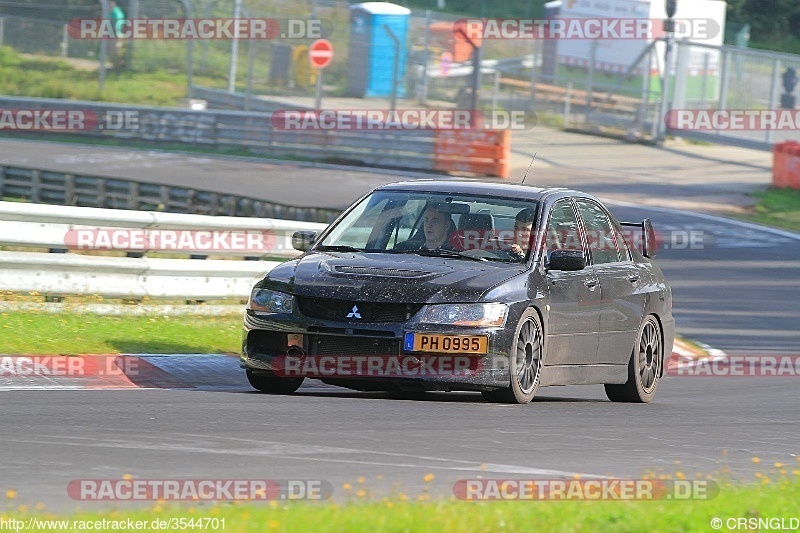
pixel 438 228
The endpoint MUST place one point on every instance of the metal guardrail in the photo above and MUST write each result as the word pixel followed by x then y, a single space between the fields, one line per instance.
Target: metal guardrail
pixel 63 188
pixel 128 277
pixel 410 149
pixel 50 226
pixel 61 274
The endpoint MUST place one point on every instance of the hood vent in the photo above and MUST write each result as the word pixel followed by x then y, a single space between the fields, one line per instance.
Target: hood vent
pixel 381 272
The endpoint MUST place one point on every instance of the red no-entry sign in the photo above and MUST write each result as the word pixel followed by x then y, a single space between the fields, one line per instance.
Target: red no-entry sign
pixel 320 53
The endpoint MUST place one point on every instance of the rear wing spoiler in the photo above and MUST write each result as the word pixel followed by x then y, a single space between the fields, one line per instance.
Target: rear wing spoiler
pixel 647 240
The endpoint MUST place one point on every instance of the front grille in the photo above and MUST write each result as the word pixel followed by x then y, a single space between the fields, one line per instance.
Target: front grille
pixel 382 272
pixel 330 345
pixel 338 310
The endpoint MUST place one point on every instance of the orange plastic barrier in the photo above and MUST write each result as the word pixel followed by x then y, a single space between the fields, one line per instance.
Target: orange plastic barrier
pixel 786 165
pixel 484 152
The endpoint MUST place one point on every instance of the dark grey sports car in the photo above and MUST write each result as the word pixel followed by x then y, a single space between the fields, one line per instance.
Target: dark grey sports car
pixel 465 285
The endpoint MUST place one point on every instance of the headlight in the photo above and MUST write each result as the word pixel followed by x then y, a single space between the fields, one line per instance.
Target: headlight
pixel 483 315
pixel 271 301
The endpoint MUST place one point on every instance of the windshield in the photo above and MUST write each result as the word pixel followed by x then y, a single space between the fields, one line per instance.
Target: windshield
pixel 447 225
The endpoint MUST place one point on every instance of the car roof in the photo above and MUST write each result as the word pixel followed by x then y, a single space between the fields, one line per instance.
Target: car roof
pixel 478 187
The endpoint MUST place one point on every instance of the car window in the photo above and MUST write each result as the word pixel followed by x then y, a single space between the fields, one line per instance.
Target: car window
pixel 406 220
pixel 365 218
pixel 622 242
pixel 562 228
pixel 600 233
pixel 480 227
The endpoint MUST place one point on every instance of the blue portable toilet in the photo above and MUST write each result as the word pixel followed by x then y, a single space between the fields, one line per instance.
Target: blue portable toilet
pixel 373 51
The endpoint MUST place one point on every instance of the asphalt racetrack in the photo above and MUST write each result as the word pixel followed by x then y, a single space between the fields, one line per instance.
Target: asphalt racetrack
pixel 736 288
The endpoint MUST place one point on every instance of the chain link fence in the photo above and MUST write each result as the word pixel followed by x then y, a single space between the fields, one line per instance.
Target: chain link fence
pixel 586 92
pixel 731 80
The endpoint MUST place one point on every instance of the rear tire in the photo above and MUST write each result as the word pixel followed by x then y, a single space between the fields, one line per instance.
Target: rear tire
pixel 271 384
pixel 644 366
pixel 525 363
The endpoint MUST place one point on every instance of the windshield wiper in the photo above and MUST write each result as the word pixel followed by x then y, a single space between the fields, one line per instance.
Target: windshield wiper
pixel 441 252
pixel 337 248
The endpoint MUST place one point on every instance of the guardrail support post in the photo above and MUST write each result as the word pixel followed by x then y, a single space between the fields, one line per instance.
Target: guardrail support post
pixel 164 204
pixel 36 185
pixel 102 197
pixel 133 195
pixel 69 190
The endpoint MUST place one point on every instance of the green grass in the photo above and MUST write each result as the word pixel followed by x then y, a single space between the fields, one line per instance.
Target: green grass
pixel 27 333
pixel 43 77
pixel 777 207
pixel 787 44
pixel 778 499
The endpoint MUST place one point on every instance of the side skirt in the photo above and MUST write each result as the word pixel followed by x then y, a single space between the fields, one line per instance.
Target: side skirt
pixel 583 374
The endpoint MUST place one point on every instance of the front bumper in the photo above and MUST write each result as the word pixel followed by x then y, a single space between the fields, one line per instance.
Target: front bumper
pixel 370 356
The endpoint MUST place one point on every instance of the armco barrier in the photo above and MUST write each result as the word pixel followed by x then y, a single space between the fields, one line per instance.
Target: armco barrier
pixel 63 188
pixel 32 226
pixel 786 165
pixel 49 226
pixel 486 152
pixel 416 149
pixel 128 277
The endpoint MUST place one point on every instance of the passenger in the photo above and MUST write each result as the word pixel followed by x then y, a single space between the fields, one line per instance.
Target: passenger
pixel 523 226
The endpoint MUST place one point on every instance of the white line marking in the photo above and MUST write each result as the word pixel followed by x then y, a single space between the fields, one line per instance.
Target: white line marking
pixel 734 222
pixel 289 451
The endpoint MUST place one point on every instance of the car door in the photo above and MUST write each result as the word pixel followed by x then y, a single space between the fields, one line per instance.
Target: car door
pixel 621 297
pixel 574 296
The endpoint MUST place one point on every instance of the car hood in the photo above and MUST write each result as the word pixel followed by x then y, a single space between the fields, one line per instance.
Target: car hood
pixel 375 277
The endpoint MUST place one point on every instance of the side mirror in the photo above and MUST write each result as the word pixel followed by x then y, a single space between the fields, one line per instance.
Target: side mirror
pixel 302 240
pixel 567 260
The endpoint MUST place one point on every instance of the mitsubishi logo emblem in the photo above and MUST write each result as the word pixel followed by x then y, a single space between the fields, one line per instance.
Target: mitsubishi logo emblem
pixel 354 313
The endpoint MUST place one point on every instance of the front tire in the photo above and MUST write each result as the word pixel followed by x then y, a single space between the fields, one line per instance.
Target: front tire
pixel 271 384
pixel 525 363
pixel 644 366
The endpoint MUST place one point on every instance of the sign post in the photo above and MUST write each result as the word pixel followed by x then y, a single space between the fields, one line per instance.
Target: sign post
pixel 669 29
pixel 320 54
